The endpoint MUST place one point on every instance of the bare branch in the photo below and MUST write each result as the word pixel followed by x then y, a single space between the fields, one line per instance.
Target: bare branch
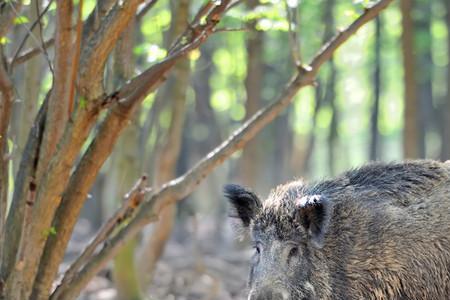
pixel 182 186
pixel 145 9
pixel 92 24
pixel 30 53
pixel 59 97
pixel 230 29
pixel 29 33
pixel 99 46
pixel 292 14
pixel 133 200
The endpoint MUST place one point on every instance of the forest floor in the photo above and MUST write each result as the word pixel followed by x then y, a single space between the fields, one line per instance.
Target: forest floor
pixel 200 270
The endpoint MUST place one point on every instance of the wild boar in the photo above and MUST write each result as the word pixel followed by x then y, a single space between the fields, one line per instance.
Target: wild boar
pixel 381 231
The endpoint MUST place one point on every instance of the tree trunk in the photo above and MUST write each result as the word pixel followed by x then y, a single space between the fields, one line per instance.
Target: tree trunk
pixel 424 63
pixel 127 163
pixel 250 161
pixel 175 92
pixel 445 150
pixel 410 133
pixel 374 134
pixel 330 96
pixel 25 110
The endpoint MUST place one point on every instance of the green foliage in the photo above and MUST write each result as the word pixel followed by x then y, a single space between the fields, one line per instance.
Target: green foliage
pixel 4 40
pixel 21 20
pixel 50 232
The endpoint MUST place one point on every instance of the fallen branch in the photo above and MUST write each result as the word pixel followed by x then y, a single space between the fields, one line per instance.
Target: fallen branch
pixel 179 188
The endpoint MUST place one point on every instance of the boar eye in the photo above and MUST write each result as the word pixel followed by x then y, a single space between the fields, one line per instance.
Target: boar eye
pixel 293 251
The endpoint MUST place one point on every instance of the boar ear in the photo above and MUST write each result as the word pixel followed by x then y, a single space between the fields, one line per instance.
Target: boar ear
pixel 314 214
pixel 244 203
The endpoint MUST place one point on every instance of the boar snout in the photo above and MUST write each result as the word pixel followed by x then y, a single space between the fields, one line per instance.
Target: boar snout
pixel 268 293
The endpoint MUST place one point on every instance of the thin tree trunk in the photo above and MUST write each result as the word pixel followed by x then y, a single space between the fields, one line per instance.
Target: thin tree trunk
pixel 127 163
pixel 410 131
pixel 330 96
pixel 6 102
pixel 374 134
pixel 27 108
pixel 175 92
pixel 325 94
pixel 445 150
pixel 424 63
pixel 307 159
pixel 249 166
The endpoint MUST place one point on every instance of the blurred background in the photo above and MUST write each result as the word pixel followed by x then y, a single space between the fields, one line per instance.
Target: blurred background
pixel 384 96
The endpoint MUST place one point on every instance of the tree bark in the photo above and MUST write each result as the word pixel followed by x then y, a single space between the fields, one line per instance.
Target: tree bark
pixel 127 163
pixel 445 149
pixel 410 131
pixel 424 63
pixel 251 156
pixel 31 85
pixel 374 134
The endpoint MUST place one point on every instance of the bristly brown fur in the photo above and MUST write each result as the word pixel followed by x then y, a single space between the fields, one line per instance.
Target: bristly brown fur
pixel 387 235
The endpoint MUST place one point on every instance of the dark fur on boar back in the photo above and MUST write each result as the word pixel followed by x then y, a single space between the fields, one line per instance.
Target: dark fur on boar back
pixel 378 232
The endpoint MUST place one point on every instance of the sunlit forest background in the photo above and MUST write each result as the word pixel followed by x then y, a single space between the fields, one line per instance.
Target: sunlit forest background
pixel 384 96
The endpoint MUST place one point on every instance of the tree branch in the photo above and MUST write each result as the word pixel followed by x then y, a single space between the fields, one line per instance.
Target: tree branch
pixel 30 53
pixel 29 33
pixel 182 186
pixel 145 9
pixel 132 200
pixel 292 14
pixel 99 46
pixel 55 124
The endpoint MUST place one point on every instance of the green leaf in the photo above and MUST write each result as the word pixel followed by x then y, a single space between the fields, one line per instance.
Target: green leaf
pixel 4 40
pixel 83 103
pixel 21 20
pixel 50 232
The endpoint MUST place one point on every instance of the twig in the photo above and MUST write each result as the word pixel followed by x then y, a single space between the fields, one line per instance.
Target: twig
pixel 30 53
pixel 292 14
pixel 29 32
pixel 230 29
pixel 185 184
pixel 145 9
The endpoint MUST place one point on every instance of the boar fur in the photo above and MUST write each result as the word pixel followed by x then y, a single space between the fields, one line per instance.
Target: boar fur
pixel 381 232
